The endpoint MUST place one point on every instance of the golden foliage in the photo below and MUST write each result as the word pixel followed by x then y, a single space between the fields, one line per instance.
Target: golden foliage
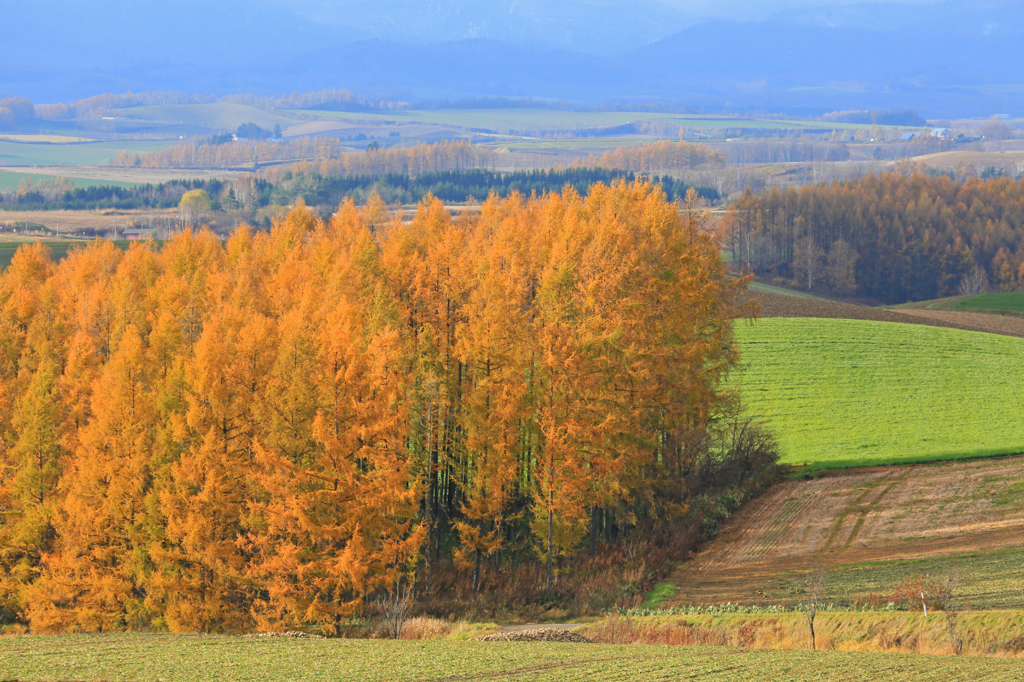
pixel 325 155
pixel 658 157
pixel 901 236
pixel 266 432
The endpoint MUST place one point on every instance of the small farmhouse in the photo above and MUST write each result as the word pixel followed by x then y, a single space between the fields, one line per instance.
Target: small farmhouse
pixel 134 235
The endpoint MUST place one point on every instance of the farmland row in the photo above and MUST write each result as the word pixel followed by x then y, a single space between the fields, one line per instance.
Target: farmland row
pixel 870 529
pixel 202 658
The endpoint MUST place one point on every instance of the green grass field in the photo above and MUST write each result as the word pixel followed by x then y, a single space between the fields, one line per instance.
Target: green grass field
pixel 229 115
pixel 10 180
pixel 553 118
pixel 991 580
pixel 198 658
pixel 84 154
pixel 1006 302
pixel 220 115
pixel 844 393
pixel 761 287
pixel 1012 302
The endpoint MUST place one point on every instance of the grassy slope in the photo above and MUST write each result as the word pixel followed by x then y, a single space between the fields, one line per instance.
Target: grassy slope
pixel 761 287
pixel 9 181
pixel 991 580
pixel 552 118
pixel 841 393
pixel 225 115
pixel 197 658
pixel 1005 302
pixel 85 154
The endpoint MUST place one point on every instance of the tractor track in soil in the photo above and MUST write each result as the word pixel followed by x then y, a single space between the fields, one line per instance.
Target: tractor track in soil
pixel 873 514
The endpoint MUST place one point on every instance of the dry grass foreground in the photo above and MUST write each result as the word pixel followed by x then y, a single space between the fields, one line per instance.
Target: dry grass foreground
pixel 882 514
pixel 202 658
pixel 984 633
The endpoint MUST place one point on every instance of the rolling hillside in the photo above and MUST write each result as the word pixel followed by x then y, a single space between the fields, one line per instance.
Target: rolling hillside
pixel 845 393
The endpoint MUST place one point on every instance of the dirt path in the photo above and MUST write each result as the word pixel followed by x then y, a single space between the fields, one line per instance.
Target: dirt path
pixel 878 514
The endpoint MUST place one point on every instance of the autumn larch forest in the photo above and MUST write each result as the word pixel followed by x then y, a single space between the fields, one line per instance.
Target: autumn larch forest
pixel 896 237
pixel 266 431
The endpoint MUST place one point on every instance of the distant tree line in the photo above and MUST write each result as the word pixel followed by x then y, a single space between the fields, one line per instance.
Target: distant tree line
pixel 164 195
pixel 246 131
pixel 319 190
pixel 658 157
pixel 15 110
pixel 326 155
pixel 895 117
pixel 919 146
pixel 459 186
pixel 786 150
pixel 902 236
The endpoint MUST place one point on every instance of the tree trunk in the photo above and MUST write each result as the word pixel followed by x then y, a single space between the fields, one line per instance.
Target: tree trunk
pixel 476 574
pixel 551 544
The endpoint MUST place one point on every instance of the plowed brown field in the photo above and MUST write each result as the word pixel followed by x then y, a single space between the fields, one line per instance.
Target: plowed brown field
pixel 869 515
pixel 780 305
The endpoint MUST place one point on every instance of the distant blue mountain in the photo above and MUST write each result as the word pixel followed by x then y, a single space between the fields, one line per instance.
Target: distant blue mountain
pixel 956 58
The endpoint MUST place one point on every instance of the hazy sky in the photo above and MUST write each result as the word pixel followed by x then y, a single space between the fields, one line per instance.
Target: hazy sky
pixel 736 9
pixel 738 6
pixel 758 9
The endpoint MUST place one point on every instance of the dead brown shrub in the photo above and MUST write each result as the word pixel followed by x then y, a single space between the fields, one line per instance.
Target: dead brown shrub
pixel 425 627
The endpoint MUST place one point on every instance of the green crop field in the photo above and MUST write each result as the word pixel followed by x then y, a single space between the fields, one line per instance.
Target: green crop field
pixel 1006 302
pixel 197 658
pixel 761 287
pixel 9 181
pixel 84 154
pixel 990 580
pixel 842 393
pixel 1012 302
pixel 554 118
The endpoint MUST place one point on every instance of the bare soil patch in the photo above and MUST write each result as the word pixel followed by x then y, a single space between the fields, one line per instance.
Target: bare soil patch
pixel 868 515
pixel 780 305
pixel 985 322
